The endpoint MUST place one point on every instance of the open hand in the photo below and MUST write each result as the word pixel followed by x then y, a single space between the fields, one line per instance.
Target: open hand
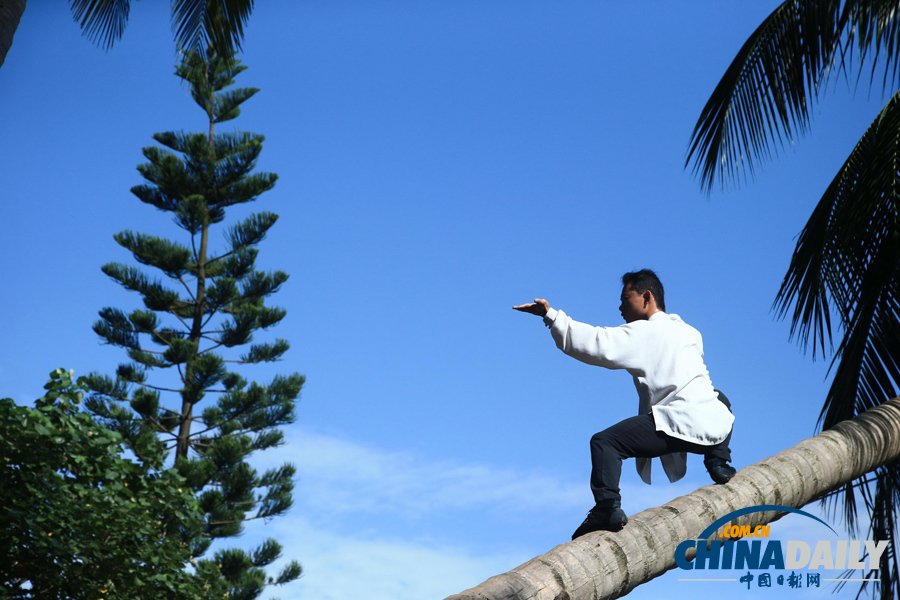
pixel 539 307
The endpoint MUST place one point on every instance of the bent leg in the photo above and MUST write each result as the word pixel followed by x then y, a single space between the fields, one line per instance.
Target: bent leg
pixel 721 452
pixel 717 457
pixel 631 438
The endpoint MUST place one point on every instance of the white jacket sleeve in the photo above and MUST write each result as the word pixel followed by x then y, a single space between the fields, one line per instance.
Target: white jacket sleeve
pixel 610 347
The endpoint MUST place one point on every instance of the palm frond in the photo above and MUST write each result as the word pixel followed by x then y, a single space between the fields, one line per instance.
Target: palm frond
pixel 876 33
pixel 764 95
pixel 102 21
pixel 846 264
pixel 864 257
pixel 199 24
pixel 188 17
pixel 806 282
pixel 847 260
pixel 882 504
pixel 848 255
pixel 225 24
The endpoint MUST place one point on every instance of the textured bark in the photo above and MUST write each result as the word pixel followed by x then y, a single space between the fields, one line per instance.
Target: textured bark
pixel 605 565
pixel 10 14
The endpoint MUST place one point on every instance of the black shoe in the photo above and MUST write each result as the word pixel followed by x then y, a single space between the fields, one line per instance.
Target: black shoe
pixel 600 518
pixel 720 471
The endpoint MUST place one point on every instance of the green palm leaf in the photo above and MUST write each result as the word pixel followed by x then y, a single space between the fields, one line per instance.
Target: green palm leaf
pixel 876 34
pixel 764 95
pixel 102 21
pixel 846 264
pixel 218 23
pixel 197 24
pixel 849 252
pixel 847 260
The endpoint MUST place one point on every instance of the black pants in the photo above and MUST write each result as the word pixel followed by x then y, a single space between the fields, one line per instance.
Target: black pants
pixel 637 437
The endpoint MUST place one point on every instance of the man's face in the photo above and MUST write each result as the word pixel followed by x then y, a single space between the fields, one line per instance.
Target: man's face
pixel 634 305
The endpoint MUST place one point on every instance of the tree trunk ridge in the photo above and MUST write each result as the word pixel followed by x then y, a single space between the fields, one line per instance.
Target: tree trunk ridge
pixel 604 565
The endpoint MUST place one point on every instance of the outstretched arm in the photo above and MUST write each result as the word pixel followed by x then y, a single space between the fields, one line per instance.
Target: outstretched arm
pixel 609 347
pixel 539 307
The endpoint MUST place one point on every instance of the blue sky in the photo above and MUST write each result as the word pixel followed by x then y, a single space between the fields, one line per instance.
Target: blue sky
pixel 439 162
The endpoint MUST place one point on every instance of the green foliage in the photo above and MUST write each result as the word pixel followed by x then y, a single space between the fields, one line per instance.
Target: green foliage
pixel 847 259
pixel 196 24
pixel 81 521
pixel 198 304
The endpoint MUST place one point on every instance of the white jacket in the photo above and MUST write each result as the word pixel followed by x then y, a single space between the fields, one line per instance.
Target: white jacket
pixel 665 356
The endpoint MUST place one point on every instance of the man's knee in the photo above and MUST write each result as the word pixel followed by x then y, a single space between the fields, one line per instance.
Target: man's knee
pixel 602 439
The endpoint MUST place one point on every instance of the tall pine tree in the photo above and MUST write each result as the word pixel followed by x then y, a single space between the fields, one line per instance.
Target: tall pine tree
pixel 204 304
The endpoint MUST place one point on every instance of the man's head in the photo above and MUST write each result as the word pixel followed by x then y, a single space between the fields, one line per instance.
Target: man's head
pixel 642 295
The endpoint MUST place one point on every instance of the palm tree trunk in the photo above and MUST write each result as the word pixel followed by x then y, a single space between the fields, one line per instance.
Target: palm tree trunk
pixel 606 565
pixel 10 14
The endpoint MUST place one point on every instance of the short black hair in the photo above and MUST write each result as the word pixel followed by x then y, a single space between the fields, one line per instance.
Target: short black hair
pixel 643 280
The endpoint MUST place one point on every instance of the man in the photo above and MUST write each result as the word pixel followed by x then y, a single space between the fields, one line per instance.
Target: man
pixel 679 410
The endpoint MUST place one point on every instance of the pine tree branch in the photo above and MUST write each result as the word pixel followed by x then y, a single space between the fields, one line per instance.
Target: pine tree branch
pixel 194 248
pixel 238 520
pixel 236 432
pixel 195 444
pixel 212 314
pixel 157 388
pixel 180 319
pixel 159 427
pixel 246 502
pixel 216 259
pixel 242 431
pixel 217 344
pixel 153 351
pixel 187 288
pixel 210 428
pixel 231 418
pixel 197 434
